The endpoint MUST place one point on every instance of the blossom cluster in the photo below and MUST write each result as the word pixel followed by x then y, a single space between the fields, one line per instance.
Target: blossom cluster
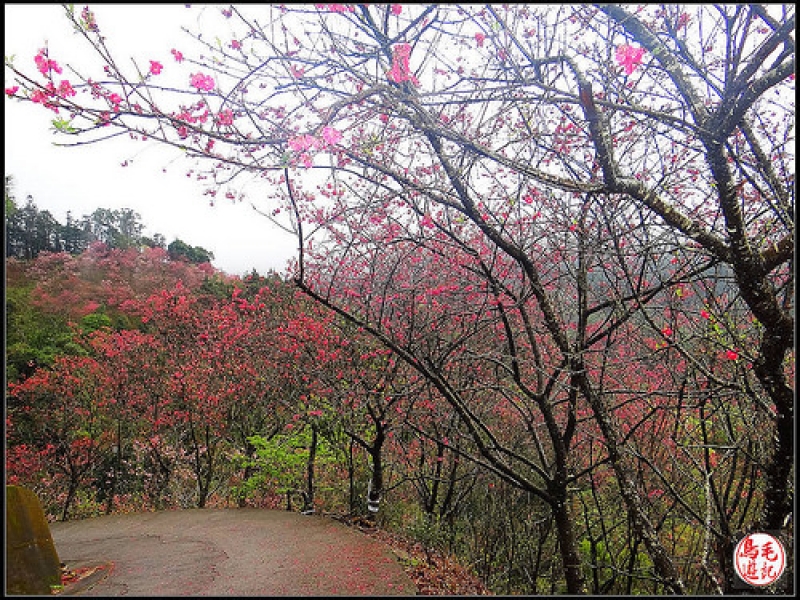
pixel 225 117
pixel 304 145
pixel 199 113
pixel 47 94
pixel 202 82
pixel 401 71
pixel 629 57
pixel 45 64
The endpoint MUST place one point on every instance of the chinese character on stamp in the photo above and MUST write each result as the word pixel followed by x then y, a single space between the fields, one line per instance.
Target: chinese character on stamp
pixel 759 559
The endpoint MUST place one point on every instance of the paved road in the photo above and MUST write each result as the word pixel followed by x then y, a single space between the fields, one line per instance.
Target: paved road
pixel 230 552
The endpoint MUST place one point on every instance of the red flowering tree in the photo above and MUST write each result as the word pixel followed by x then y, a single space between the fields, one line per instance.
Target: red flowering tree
pixel 511 198
pixel 188 407
pixel 362 384
pixel 106 278
pixel 58 430
pixel 131 362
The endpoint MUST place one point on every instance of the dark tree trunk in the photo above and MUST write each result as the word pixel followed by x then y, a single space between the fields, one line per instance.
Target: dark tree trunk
pixel 567 542
pixel 375 493
pixel 249 469
pixel 308 497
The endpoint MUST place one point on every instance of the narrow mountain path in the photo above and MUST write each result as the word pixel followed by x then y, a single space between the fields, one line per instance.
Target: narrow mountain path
pixel 225 552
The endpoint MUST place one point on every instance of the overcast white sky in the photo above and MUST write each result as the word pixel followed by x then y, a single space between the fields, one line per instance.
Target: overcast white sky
pixel 84 179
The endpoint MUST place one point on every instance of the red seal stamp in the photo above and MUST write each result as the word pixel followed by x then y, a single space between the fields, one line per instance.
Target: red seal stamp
pixel 759 559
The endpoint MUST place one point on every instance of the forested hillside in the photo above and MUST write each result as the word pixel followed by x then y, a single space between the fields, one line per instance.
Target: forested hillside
pixel 30 231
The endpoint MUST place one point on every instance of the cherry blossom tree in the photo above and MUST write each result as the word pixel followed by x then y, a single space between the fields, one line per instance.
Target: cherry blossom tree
pixel 58 418
pixel 517 201
pixel 124 358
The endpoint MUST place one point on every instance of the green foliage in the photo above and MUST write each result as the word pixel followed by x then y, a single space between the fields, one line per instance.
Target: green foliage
pixel 217 287
pixel 116 228
pixel 63 125
pixel 596 559
pixel 94 321
pixel 33 338
pixel 430 531
pixel 30 230
pixel 157 241
pixel 8 191
pixel 180 250
pixel 254 281
pixel 280 461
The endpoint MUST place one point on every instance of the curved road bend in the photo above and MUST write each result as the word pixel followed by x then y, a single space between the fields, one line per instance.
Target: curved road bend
pixel 227 552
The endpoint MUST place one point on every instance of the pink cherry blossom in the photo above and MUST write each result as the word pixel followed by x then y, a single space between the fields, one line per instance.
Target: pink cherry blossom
pixel 304 142
pixel 155 67
pixel 202 82
pixel 44 64
pixel 479 39
pixel 41 63
pixel 225 117
pixel 177 55
pixel 397 9
pixel 43 97
pixel 65 89
pixel 12 90
pixel 629 57
pixel 331 136
pixel 400 70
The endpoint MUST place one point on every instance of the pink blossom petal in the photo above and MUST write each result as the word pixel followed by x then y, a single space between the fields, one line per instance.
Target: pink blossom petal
pixel 331 136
